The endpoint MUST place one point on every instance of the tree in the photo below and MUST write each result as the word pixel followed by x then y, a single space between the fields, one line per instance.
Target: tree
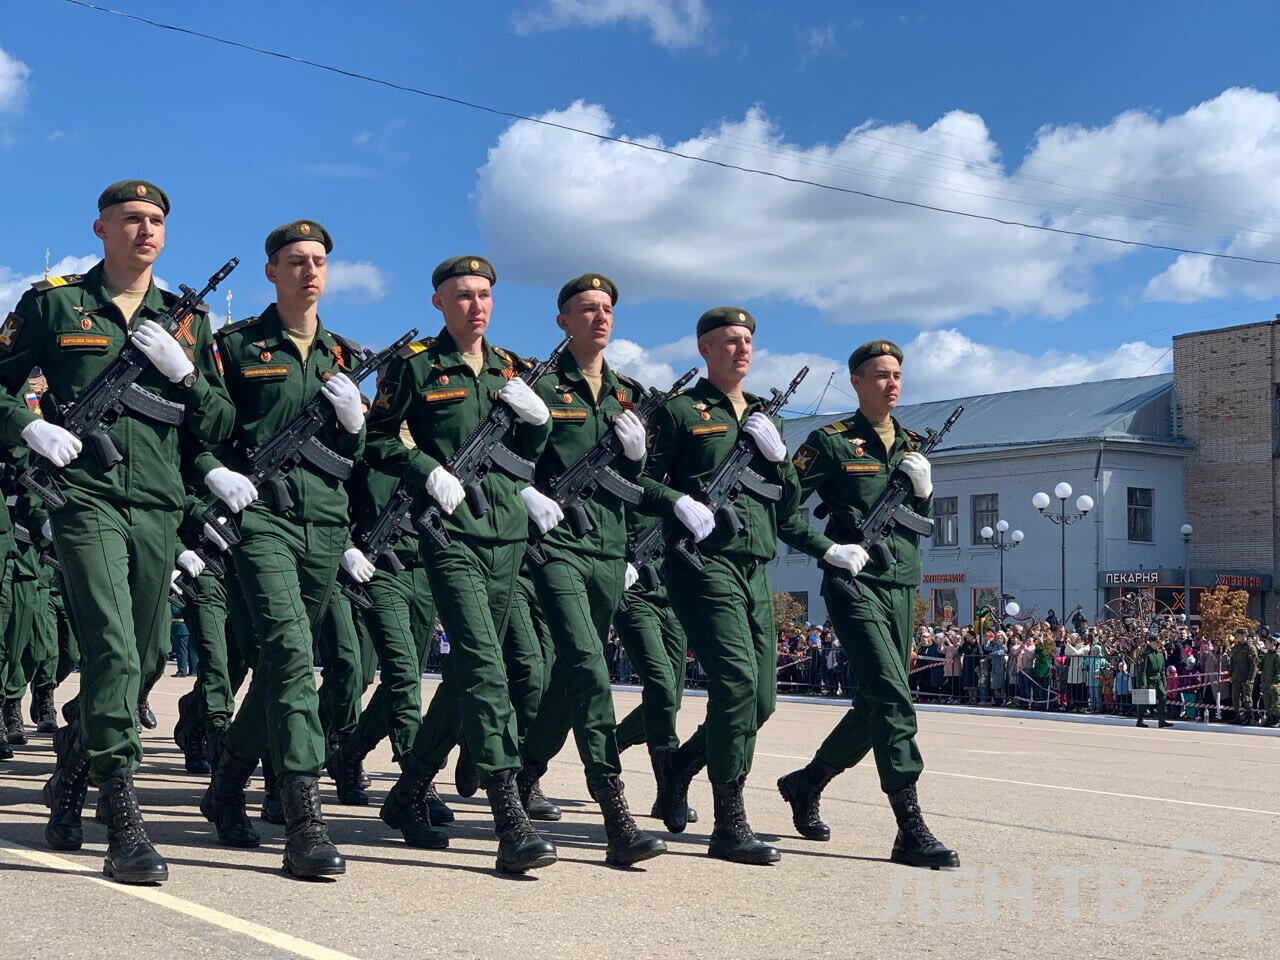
pixel 921 609
pixel 788 613
pixel 1222 611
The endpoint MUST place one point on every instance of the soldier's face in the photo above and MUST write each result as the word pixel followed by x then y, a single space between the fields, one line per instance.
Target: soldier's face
pixel 131 232
pixel 878 382
pixel 299 272
pixel 588 318
pixel 465 303
pixel 727 351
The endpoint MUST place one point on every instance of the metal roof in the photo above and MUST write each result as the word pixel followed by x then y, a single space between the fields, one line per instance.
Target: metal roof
pixel 1132 408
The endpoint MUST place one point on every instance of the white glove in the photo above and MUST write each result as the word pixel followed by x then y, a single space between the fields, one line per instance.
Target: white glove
pixel 190 563
pixel 46 530
pixel 695 515
pixel 162 350
pixel 233 489
pixel 519 396
pixel 51 441
pixel 357 565
pixel 629 577
pixel 345 397
pixel 847 556
pixel 630 432
pixel 215 538
pixel 919 471
pixel 445 489
pixel 761 429
pixel 543 511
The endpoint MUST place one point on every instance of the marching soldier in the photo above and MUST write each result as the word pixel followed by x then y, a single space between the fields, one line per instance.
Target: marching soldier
pixel 444 387
pixel 848 464
pixel 726 607
pixel 115 536
pixel 287 560
pixel 582 580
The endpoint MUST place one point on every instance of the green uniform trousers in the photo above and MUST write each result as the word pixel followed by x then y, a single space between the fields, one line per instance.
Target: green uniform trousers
pixel 579 594
pixel 398 626
pixel 6 612
pixel 116 561
pixel 1242 696
pixel 342 680
pixel 286 572
pixel 225 643
pixel 19 636
pixel 875 631
pixel 472 583
pixel 726 610
pixel 1271 700
pixel 45 648
pixel 655 643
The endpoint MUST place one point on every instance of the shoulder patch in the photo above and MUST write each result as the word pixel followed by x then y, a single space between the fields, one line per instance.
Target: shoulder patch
pixel 236 327
pixel 9 330
pixel 804 457
pixel 418 346
pixel 49 283
pixel 840 426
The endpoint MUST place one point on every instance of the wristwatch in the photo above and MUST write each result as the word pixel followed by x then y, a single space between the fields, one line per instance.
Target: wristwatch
pixel 189 381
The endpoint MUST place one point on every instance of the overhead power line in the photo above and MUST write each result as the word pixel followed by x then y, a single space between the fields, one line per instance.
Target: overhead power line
pixel 668 151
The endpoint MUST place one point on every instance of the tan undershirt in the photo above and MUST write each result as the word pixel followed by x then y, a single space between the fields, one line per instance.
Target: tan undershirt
pixel 595 381
pixel 128 301
pixel 302 341
pixel 739 405
pixel 476 363
pixel 885 432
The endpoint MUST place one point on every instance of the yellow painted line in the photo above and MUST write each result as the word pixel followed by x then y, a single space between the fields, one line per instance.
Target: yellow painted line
pixel 272 938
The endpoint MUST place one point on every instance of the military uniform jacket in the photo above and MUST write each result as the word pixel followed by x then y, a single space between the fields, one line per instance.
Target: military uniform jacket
pixel 846 464
pixel 689 437
pixel 1244 660
pixel 578 422
pixel 270 384
pixel 1270 668
pixel 430 387
pixel 1150 669
pixel 69 327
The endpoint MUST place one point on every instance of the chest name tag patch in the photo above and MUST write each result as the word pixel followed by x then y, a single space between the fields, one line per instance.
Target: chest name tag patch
pixel 436 396
pixel 855 467
pixel 74 340
pixel 709 429
pixel 253 373
pixel 568 413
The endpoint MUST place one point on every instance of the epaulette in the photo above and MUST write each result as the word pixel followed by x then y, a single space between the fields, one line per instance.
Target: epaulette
pixel 170 298
pixel 840 426
pixel 912 435
pixel 236 327
pixel 631 382
pixel 512 360
pixel 49 283
pixel 416 347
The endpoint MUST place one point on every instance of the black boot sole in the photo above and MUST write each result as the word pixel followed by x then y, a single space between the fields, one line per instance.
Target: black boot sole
pixel 314 872
pixel 762 859
pixel 150 875
pixel 524 866
pixel 631 858
pixel 930 863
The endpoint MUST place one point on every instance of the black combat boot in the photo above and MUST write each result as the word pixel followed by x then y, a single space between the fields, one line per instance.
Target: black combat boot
pixel 440 812
pixel 915 846
pixel 130 856
pixel 662 759
pixel 223 803
pixel 6 751
pixel 65 792
pixel 407 809
pixel 681 766
pixel 519 846
pixel 14 729
pixel 803 790
pixel 731 838
pixel 146 716
pixel 535 802
pixel 628 844
pixel 214 739
pixel 307 850
pixel 43 715
pixel 272 808
pixel 465 779
pixel 344 765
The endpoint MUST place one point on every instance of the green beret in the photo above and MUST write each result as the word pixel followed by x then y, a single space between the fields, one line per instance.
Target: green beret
pixel 122 191
pixel 725 317
pixel 469 265
pixel 288 233
pixel 871 349
pixel 588 281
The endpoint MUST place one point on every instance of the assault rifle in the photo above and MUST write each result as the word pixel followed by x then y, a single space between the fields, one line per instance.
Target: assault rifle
pixel 114 392
pixel 593 471
pixel 889 511
pixel 734 475
pixel 378 542
pixel 642 555
pixel 481 452
pixel 24 538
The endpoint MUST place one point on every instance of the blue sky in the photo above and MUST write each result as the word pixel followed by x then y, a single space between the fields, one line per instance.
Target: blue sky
pixel 1107 119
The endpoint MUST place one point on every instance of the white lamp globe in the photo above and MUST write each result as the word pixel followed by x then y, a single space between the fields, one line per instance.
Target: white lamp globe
pixel 1186 530
pixel 1084 504
pixel 1017 536
pixel 986 533
pixel 1002 526
pixel 1012 609
pixel 1062 491
pixel 1040 500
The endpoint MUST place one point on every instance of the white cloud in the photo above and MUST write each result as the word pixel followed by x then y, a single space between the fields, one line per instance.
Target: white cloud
pixel 359 279
pixel 13 284
pixel 672 23
pixel 670 228
pixel 13 83
pixel 817 41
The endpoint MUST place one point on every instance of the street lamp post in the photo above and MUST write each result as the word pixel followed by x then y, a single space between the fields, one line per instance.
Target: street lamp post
pixel 1186 532
pixel 1002 545
pixel 1084 504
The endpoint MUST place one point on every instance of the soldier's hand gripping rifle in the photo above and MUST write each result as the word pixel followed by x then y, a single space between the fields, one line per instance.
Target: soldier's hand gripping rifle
pixel 481 452
pixel 889 511
pixel 113 393
pixel 271 462
pixel 643 555
pixel 733 475
pixel 379 541
pixel 593 471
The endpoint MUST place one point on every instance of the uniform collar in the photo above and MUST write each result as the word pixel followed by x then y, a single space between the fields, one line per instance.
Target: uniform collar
pixel 273 334
pixel 94 288
pixel 704 389
pixel 448 355
pixel 567 368
pixel 860 418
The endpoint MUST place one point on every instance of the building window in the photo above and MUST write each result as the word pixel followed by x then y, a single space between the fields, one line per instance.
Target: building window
pixel 1140 514
pixel 804 513
pixel 945 601
pixel 986 509
pixel 946 522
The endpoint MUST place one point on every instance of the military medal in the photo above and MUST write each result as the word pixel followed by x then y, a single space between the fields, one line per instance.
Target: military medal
pixel 85 323
pixel 444 378
pixel 264 356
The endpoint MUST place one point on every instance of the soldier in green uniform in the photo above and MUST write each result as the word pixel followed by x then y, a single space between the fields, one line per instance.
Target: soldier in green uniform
pixel 726 607
pixel 23 586
pixel 115 536
pixel 581 581
pixel 287 559
pixel 848 464
pixel 443 388
pixel 1271 682
pixel 1244 667
pixel 7 551
pixel 1149 673
pixel 342 686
